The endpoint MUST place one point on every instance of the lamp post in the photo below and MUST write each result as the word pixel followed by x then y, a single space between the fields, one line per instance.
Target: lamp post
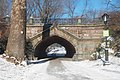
pixel 105 18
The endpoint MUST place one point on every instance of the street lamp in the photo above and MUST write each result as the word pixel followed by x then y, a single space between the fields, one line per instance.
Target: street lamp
pixel 105 18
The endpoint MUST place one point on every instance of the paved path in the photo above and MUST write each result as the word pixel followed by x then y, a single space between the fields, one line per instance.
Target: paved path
pixel 52 70
pixel 58 69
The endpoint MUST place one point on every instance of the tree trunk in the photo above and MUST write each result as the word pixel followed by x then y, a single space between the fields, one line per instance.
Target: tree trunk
pixel 16 40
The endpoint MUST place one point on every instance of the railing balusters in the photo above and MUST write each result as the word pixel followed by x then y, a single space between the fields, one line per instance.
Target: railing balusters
pixel 63 21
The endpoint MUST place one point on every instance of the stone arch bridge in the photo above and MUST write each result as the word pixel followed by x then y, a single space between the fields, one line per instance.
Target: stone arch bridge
pixel 80 41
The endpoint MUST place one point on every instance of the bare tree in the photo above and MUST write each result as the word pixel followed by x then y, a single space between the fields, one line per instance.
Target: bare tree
pixel 31 8
pixel 71 6
pixel 3 26
pixel 112 5
pixel 114 23
pixel 91 16
pixel 45 9
pixel 85 9
pixel 0 7
pixel 116 5
pixel 5 7
pixel 16 40
pixel 3 35
pixel 114 26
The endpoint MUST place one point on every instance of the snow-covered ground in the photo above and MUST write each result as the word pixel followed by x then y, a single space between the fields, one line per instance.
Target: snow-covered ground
pixel 57 51
pixel 61 70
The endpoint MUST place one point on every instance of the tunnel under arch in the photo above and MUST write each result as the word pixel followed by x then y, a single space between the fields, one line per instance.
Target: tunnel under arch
pixel 40 50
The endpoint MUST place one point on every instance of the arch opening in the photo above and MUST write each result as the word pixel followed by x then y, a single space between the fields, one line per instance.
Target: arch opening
pixel 42 49
pixel 56 50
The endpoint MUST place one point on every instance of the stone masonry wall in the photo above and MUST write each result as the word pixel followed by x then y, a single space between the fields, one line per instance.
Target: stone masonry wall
pixel 86 39
pixel 32 31
pixel 85 32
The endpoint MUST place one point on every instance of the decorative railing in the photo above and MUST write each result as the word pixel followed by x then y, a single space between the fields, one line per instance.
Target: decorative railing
pixel 64 21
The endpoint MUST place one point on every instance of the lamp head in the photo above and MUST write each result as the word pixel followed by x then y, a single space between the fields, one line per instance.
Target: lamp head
pixel 105 18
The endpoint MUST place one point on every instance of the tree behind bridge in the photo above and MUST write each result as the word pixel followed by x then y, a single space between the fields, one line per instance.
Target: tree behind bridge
pixel 45 9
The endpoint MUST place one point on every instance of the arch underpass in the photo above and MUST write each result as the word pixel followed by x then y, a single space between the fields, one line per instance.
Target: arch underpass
pixel 40 50
pixel 79 41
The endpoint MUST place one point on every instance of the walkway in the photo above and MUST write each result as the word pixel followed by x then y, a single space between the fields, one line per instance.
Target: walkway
pixel 57 69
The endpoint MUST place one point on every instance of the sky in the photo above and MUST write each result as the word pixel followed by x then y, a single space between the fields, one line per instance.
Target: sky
pixel 93 5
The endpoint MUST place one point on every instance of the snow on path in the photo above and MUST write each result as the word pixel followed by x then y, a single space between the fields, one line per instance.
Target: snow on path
pixel 94 71
pixel 61 70
pixel 9 71
pixel 57 69
pixel 52 70
pixel 38 72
